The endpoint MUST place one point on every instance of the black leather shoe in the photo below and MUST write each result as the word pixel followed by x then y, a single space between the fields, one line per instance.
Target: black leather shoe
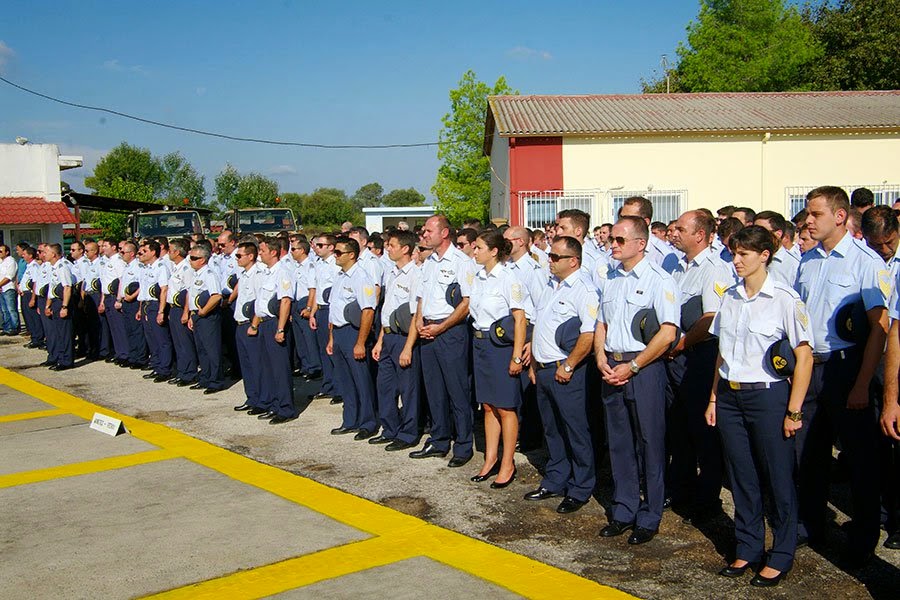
pixel 479 478
pixel 198 386
pixel 279 420
pixel 146 367
pixel 541 493
pixel 569 505
pixel 363 434
pixel 892 541
pixel 62 367
pixel 458 461
pixel 174 381
pixel 313 376
pixel 47 363
pixel 615 528
pixel 319 396
pixel 641 535
pixel 161 378
pixel 110 359
pixel 186 383
pixel 380 439
pixel 498 485
pixel 343 430
pixel 428 451
pixel 266 415
pixel 398 445
pixel 732 572
pixel 136 366
pixel 243 407
pixel 336 400
pixel 150 375
pixel 210 391
pixel 256 411
pixel 760 581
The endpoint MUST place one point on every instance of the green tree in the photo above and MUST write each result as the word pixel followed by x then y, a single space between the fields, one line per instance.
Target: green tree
pixel 327 208
pixel 861 41
pixel 128 163
pixel 367 196
pixel 180 181
pixel 407 197
pixel 463 185
pixel 116 224
pixel 744 46
pixel 234 190
pixel 227 182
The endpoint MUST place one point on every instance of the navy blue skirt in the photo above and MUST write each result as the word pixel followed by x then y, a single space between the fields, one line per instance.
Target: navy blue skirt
pixel 493 385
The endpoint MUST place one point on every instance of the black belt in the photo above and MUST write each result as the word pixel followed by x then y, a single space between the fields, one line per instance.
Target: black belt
pixel 264 319
pixel 622 356
pixel 824 357
pixel 556 363
pixel 738 385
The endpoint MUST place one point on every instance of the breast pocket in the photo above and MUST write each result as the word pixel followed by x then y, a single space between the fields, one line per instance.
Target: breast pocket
pixel 638 300
pixel 841 280
pixel 766 329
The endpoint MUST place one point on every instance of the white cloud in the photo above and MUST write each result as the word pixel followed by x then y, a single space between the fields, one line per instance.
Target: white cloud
pixel 6 55
pixel 526 53
pixel 283 170
pixel 113 64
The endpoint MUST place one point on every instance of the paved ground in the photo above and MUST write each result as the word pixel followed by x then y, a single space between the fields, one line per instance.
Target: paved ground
pixel 156 511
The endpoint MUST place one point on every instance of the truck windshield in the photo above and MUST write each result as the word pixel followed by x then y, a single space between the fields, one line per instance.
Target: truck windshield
pixel 266 220
pixel 171 223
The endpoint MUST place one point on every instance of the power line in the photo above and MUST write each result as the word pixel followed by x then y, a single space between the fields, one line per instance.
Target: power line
pixel 223 135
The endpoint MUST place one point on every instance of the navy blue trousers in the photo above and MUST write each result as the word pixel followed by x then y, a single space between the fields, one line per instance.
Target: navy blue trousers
pixel 93 326
pixel 354 381
pixel 328 386
pixel 826 418
pixel 563 407
pixel 116 321
pixel 250 358
pixel 183 344
pixel 757 454
pixel 63 352
pixel 134 330
pixel 158 339
pixel 276 389
pixel 306 347
pixel 398 421
pixel 445 370
pixel 636 432
pixel 32 319
pixel 40 304
pixel 208 340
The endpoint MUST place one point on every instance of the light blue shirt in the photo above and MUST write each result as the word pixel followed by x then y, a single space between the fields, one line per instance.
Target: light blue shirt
pixel 326 270
pixel 705 276
pixel 529 273
pixel 746 327
pixel 571 297
pixel 647 285
pixel 828 281
pixel 203 280
pixel 92 270
pixel 154 273
pixel 30 276
pixel 784 267
pixel 372 265
pixel 248 282
pixel 305 277
pixel 437 274
pixel 495 295
pixel 60 274
pixel 113 270
pixel 661 253
pixel 353 284
pixel 179 279
pixel 276 282
pixel 131 274
pixel 402 286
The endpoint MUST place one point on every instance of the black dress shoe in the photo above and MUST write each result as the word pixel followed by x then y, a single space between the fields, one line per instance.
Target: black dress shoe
pixel 110 359
pixel 319 396
pixel 458 461
pixel 210 391
pixel 47 363
pixel 541 493
pixel 313 376
pixel 161 378
pixel 266 415
pixel 186 383
pixel 380 440
pixel 732 572
pixel 363 434
pixel 136 366
pixel 198 386
pixel 892 541
pixel 54 367
pixel 569 505
pixel 399 445
pixel 243 407
pixel 277 420
pixel 343 430
pixel 615 528
pixel 479 478
pixel 336 400
pixel 497 485
pixel 146 367
pixel 760 581
pixel 150 375
pixel 641 535
pixel 427 451
pixel 256 411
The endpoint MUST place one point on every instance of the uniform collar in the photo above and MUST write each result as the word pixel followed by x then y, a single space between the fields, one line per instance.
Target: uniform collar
pixel 780 254
pixel 349 272
pixel 638 269
pixel 523 261
pixel 495 272
pixel 842 247
pixel 406 268
pixel 767 289
pixel 703 255
pixel 570 280
pixel 254 267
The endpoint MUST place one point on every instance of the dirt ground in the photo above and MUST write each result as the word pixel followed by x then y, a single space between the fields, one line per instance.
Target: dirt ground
pixel 681 562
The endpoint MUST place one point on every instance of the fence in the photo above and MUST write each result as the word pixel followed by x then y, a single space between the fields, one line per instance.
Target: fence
pixel 795 196
pixel 540 208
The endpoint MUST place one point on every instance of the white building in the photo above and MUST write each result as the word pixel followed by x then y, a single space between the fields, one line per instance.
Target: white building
pixel 31 208
pixel 379 217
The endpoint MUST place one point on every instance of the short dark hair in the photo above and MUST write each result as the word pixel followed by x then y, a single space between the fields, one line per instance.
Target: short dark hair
pixel 303 244
pixel 729 226
pixel 472 224
pixel 639 224
pixel 494 239
pixel 350 243
pixel 153 246
pixel 248 248
pixel 29 251
pixel 181 245
pixel 204 243
pixel 835 197
pixel 163 242
pixel 705 222
pixel 862 197
pixel 776 221
pixel 645 207
pixel 658 226
pixel 471 234
pixel 755 238
pixel 361 232
pixel 573 246
pixel 405 239
pixel 377 242
pixel 749 212
pixel 726 210
pixel 579 218
pixel 879 221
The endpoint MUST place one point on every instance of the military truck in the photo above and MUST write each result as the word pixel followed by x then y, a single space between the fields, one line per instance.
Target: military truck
pixel 267 221
pixel 170 223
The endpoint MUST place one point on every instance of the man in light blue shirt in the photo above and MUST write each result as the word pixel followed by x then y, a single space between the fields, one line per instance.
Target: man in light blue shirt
pixel 784 265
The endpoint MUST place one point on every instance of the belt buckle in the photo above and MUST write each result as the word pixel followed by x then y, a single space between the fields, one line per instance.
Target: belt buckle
pixel 617 356
pixel 735 385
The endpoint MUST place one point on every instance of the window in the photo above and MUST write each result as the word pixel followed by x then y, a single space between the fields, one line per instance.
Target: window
pixel 541 207
pixel 796 196
pixel 667 204
pixel 32 236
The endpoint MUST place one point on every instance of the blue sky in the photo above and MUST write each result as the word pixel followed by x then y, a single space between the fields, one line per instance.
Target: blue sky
pixel 334 73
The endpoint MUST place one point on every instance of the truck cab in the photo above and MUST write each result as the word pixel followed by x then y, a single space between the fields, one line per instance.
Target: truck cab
pixel 169 223
pixel 267 221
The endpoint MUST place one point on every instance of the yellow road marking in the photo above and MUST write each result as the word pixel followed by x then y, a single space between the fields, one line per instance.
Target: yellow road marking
pixel 399 536
pixel 38 414
pixel 85 468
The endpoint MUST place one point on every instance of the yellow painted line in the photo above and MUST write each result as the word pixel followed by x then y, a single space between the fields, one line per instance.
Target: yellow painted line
pixel 85 468
pixel 399 536
pixel 38 414
pixel 296 572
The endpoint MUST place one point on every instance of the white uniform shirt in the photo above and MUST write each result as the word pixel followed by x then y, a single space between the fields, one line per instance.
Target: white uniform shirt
pixel 661 253
pixel 437 274
pixel 179 279
pixel 571 297
pixel 372 265
pixel 542 259
pixel 706 276
pixel 647 285
pixel 29 276
pixel 494 295
pixel 275 282
pixel 203 280
pixel 305 277
pixel 131 274
pixel 402 286
pixel 92 270
pixel 353 284
pixel 60 277
pixel 529 273
pixel 153 274
pixel 746 327
pixel 326 270
pixel 248 283
pixel 114 269
pixel 784 267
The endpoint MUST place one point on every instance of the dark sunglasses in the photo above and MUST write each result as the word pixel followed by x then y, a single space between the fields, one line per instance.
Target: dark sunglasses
pixel 295 248
pixel 322 245
pixel 238 255
pixel 620 240
pixel 340 253
pixel 195 257
pixel 555 257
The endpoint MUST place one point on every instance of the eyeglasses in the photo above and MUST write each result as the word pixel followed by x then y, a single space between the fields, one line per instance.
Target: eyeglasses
pixel 461 244
pixel 220 245
pixel 196 257
pixel 621 241
pixel 239 255
pixel 296 248
pixel 323 245
pixel 340 253
pixel 555 257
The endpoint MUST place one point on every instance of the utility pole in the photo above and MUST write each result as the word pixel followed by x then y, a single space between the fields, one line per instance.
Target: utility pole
pixel 664 63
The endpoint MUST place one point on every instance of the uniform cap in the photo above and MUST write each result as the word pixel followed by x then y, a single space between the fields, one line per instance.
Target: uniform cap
pixel 247 310
pixel 453 296
pixel 567 334
pixel 113 287
pixel 502 331
pixel 691 311
pixel 273 305
pixel 851 322
pixel 645 325
pixel 353 314
pixel 132 287
pixel 780 358
pixel 201 299
pixel 401 319
pixel 232 281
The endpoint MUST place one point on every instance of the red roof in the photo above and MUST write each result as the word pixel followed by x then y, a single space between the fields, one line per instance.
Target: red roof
pixel 33 210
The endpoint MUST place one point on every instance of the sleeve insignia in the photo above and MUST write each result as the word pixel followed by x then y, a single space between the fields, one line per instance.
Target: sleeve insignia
pixel 470 277
pixel 720 288
pixel 592 311
pixel 884 282
pixel 670 297
pixel 285 284
pixel 369 290
pixel 517 292
pixel 800 314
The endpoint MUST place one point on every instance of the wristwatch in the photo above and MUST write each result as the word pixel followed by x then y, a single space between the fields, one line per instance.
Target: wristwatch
pixel 795 416
pixel 567 368
pixel 279 331
pixel 517 360
pixel 635 368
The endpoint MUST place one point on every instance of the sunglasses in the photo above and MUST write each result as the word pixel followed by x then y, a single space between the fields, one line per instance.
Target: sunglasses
pixel 555 257
pixel 296 248
pixel 323 245
pixel 621 241
pixel 195 257
pixel 238 255
pixel 340 253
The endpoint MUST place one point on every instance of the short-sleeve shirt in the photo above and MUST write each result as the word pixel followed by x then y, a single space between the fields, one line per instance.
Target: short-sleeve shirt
pixel 305 277
pixel 529 273
pixel 326 270
pixel 438 273
pixel 567 298
pixel 153 274
pixel 645 286
pixel 276 282
pixel 60 277
pixel 661 253
pixel 131 274
pixel 113 270
pixel 179 280
pixel 372 265
pixel 248 283
pixel 353 284
pixel 402 286
pixel 705 276
pixel 203 280
pixel 784 267
pixel 92 270
pixel 827 281
pixel 746 327
pixel 29 276
pixel 494 295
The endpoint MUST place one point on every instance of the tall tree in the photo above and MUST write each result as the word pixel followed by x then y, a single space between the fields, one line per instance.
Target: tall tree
pixel 327 208
pixel 128 163
pixel 463 185
pixel 180 181
pixel 234 190
pixel 367 196
pixel 227 182
pixel 407 197
pixel 744 46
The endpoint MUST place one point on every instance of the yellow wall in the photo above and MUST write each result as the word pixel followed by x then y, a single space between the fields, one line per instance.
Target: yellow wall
pixel 730 169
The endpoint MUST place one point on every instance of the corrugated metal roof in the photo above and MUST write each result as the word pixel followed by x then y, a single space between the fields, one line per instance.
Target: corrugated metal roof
pixel 32 211
pixel 684 113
